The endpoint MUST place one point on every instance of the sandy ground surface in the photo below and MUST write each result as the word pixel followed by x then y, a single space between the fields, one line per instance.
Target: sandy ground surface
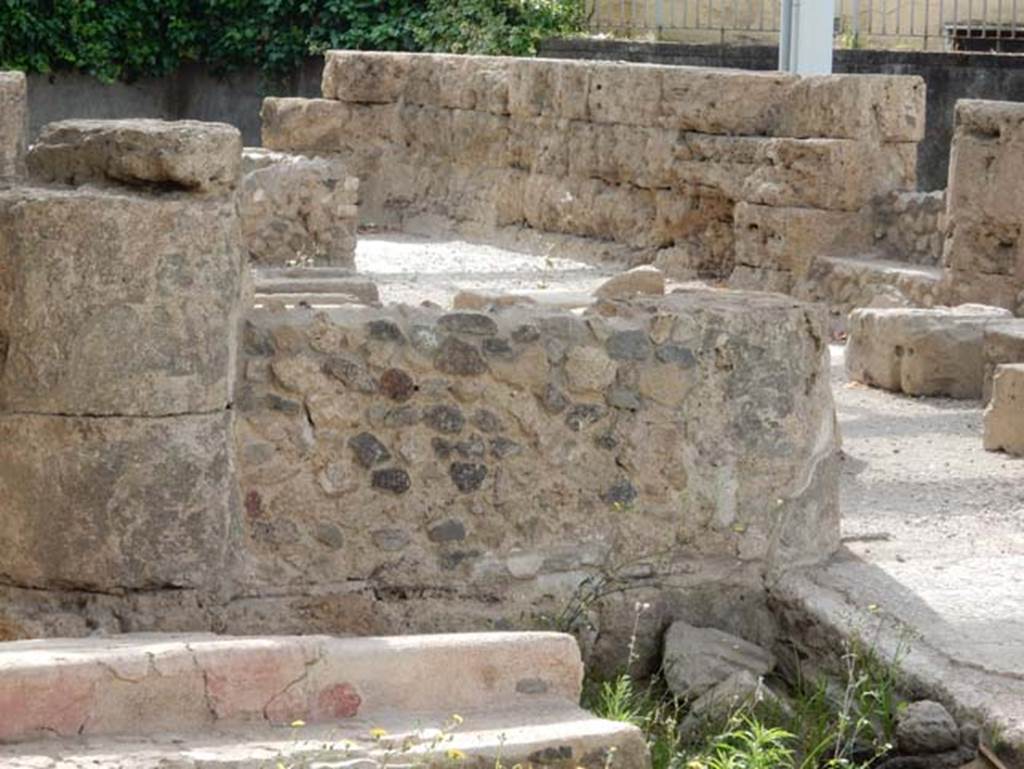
pixel 410 269
pixel 939 520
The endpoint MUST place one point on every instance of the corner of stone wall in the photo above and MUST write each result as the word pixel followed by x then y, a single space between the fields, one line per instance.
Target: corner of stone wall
pixel 120 313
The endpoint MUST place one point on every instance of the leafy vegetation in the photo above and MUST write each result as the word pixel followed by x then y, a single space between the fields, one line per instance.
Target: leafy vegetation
pixel 818 724
pixel 126 39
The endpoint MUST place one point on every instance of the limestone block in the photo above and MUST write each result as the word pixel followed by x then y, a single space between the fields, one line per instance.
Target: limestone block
pixel 1003 343
pixel 790 239
pixel 541 145
pixel 921 352
pixel 118 304
pixel 967 286
pixel 479 139
pixel 984 245
pixel 548 88
pixel 624 93
pixel 185 154
pixel 716 101
pixel 13 123
pixel 885 108
pixel 458 82
pixel 327 126
pixel 1004 417
pixel 372 77
pixel 797 172
pixel 113 504
pixel 865 107
pixel 616 153
pixel 298 209
pixel 640 280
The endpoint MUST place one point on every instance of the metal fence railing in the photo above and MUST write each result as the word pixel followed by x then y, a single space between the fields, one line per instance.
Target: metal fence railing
pixel 965 25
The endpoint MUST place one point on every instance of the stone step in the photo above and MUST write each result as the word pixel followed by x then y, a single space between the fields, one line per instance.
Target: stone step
pixel 156 683
pixel 846 283
pixel 547 732
pixel 314 280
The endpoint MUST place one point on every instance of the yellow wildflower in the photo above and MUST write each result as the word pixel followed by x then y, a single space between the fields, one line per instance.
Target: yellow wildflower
pixel 454 754
pixel 377 733
pixel 297 723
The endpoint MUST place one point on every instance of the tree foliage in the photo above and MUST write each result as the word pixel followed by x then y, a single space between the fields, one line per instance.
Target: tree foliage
pixel 127 39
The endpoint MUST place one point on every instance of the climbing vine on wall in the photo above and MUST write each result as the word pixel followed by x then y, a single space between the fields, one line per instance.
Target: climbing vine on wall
pixel 127 39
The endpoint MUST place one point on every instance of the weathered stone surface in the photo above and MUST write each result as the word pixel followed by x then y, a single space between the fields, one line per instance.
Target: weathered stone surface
pixel 921 352
pixel 117 304
pixel 1004 417
pixel 640 280
pixel 650 158
pixel 790 239
pixel 698 659
pixel 114 504
pixel 847 283
pixel 541 442
pixel 1002 343
pixel 13 124
pixel 179 155
pixel 983 235
pixel 926 727
pixel 298 210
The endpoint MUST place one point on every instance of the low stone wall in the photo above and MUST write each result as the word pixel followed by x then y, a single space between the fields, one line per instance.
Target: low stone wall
pixel 652 160
pixel 494 463
pixel 298 211
pixel 13 124
pixel 984 252
pixel 910 226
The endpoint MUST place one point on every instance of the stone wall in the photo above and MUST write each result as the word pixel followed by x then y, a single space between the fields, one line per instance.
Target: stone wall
pixel 490 463
pixel 13 124
pixel 984 250
pixel 910 226
pixel 651 161
pixel 119 308
pixel 297 210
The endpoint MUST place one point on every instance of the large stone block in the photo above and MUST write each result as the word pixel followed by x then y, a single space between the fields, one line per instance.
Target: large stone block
pixel 970 287
pixel 296 209
pixel 115 304
pixel 548 88
pixel 13 123
pixel 790 239
pixel 1003 343
pixel 327 126
pixel 986 166
pixel 185 154
pixel 1004 417
pixel 115 504
pixel 371 77
pixel 864 107
pixel 921 352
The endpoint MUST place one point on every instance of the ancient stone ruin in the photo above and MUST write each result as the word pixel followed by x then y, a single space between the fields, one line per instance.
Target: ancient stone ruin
pixel 211 423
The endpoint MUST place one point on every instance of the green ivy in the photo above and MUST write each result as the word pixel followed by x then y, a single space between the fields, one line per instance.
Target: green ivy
pixel 127 39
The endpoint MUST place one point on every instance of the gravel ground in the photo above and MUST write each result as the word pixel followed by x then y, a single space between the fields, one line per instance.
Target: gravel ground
pixel 410 269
